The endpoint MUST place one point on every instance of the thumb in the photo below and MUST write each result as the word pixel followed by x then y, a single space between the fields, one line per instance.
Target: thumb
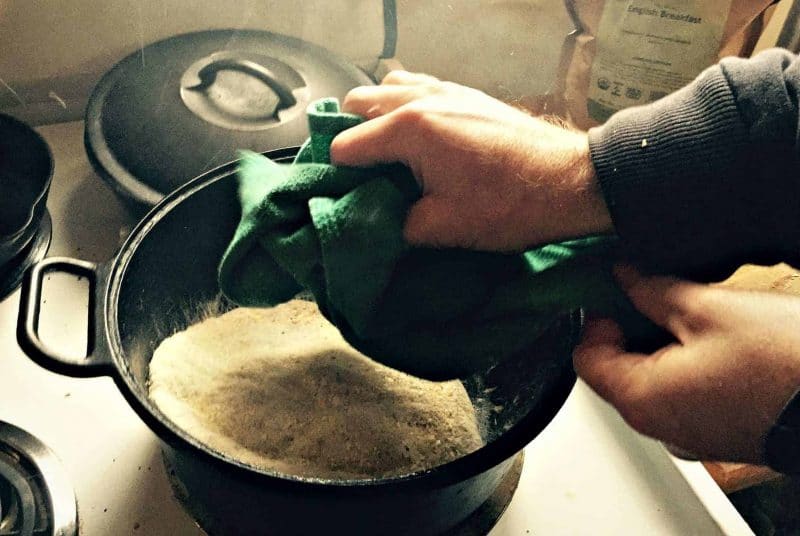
pixel 624 379
pixel 667 301
pixel 601 360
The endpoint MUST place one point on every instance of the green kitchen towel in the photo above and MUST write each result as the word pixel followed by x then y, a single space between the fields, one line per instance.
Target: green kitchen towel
pixel 435 313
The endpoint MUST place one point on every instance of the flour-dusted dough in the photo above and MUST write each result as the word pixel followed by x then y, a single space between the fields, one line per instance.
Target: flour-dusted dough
pixel 281 390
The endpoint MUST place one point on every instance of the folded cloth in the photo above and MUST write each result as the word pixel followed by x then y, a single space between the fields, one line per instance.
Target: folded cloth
pixel 435 313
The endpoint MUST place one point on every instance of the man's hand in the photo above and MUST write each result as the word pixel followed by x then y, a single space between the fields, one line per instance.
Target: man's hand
pixel 717 391
pixel 493 177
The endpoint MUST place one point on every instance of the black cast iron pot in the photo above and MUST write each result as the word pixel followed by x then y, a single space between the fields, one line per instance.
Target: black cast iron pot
pixel 166 267
pixel 26 168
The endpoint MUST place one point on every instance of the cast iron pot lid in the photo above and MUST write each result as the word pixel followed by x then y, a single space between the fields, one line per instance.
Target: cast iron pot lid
pixel 184 105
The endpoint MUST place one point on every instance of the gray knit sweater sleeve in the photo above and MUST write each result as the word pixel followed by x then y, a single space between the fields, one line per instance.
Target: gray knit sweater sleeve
pixel 709 177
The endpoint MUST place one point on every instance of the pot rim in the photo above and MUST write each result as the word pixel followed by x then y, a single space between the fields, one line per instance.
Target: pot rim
pixel 483 459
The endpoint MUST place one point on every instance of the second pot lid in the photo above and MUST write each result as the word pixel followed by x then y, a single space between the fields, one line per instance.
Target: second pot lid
pixel 184 105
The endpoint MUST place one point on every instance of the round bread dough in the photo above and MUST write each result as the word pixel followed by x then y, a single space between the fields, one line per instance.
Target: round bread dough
pixel 281 390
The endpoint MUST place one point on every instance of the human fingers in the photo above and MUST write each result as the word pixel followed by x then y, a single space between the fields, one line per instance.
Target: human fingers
pixel 601 360
pixel 396 89
pixel 374 101
pixel 631 382
pixel 408 78
pixel 379 141
pixel 713 396
pixel 669 302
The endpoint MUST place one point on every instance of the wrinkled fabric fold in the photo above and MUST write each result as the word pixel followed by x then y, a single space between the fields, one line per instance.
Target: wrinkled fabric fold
pixel 436 313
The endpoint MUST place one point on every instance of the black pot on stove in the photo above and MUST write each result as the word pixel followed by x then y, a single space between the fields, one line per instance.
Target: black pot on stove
pixel 26 169
pixel 187 104
pixel 168 265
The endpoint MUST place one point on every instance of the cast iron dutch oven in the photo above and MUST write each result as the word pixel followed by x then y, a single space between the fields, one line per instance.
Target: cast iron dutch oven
pixel 166 267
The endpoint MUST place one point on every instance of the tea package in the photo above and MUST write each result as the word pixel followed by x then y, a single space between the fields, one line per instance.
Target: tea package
pixel 630 52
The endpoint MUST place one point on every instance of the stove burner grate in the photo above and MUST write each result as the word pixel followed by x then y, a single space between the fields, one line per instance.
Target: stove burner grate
pixel 23 508
pixel 35 499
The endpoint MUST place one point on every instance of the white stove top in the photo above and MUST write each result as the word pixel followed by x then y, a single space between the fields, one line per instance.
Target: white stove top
pixel 586 473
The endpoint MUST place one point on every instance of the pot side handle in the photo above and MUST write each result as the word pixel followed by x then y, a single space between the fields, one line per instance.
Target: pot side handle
pixel 97 362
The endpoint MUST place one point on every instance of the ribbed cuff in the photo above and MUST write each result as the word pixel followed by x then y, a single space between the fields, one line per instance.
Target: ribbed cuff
pixel 665 170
